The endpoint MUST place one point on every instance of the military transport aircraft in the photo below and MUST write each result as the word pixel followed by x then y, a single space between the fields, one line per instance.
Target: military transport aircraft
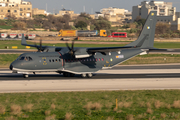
pixel 84 61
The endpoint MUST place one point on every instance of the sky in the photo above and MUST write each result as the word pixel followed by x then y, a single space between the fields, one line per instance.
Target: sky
pixel 91 6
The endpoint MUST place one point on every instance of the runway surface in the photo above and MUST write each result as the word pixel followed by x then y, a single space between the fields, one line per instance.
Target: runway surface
pixel 135 77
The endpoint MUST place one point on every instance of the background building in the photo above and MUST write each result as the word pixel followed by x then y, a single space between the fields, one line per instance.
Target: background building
pixel 12 1
pixel 64 11
pixel 98 14
pixel 165 10
pixel 115 15
pixel 36 11
pixel 15 8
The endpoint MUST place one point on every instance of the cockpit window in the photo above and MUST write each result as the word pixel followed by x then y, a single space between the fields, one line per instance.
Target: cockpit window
pixel 26 58
pixel 30 59
pixel 22 58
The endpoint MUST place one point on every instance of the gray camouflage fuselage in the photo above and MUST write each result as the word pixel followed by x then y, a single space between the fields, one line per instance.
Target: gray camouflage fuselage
pixel 57 62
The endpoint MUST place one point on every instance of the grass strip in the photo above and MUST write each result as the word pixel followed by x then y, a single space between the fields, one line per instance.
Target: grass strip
pixel 139 105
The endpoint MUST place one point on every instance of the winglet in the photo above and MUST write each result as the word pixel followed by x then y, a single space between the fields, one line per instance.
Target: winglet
pixel 23 40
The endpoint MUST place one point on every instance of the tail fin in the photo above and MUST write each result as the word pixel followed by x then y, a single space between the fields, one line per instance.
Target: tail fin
pixel 146 38
pixel 23 40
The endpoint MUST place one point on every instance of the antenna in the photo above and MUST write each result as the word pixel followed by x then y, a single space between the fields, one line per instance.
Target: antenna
pixel 92 10
pixel 46 7
pixel 84 9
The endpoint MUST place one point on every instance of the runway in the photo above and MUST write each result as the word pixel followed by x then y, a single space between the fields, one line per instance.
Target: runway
pixel 135 77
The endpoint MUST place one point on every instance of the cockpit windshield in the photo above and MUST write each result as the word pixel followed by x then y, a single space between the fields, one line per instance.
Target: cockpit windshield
pixel 26 58
pixel 22 58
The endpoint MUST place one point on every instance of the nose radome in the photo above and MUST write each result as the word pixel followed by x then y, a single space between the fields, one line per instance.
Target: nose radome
pixel 11 67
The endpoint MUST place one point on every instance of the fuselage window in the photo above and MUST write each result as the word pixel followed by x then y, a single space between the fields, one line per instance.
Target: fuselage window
pixel 59 60
pixel 53 60
pixel 65 60
pixel 93 59
pixel 49 60
pixel 102 59
pixel 81 60
pixel 99 59
pixel 87 59
pixel 84 60
pixel 56 60
pixel 68 60
pixel 96 59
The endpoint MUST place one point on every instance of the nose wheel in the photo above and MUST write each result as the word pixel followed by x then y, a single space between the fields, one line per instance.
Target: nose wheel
pixel 25 75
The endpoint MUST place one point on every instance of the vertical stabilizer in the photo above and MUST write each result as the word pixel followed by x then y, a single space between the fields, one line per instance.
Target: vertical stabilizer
pixel 23 40
pixel 146 38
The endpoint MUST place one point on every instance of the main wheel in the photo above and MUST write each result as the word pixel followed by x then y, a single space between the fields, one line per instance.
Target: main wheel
pixel 25 75
pixel 89 75
pixel 83 75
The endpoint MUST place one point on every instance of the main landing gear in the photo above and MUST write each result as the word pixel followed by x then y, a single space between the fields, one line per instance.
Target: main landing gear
pixel 89 75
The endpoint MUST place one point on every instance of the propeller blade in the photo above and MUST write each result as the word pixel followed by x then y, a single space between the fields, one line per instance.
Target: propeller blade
pixel 68 46
pixel 72 48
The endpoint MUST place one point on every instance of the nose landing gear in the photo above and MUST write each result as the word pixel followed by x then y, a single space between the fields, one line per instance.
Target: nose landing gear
pixel 25 75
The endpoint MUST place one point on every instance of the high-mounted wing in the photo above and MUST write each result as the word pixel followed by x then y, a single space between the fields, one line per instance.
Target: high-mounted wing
pixel 107 49
pixel 86 52
pixel 40 47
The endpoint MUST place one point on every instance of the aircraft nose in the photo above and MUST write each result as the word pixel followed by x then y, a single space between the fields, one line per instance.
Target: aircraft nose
pixel 11 67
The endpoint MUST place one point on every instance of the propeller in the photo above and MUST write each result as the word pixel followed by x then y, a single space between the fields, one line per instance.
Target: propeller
pixel 71 49
pixel 40 48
